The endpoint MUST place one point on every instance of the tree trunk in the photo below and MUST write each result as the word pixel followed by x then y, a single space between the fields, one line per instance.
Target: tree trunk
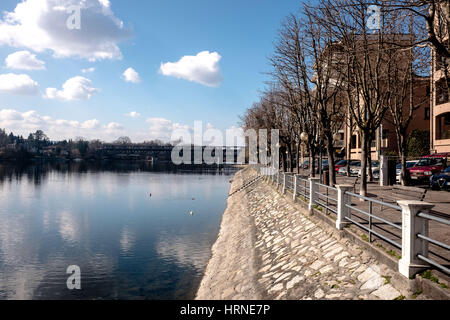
pixel 331 161
pixel 402 153
pixel 289 158
pixel 364 156
pixel 283 160
pixel 312 159
pixel 369 161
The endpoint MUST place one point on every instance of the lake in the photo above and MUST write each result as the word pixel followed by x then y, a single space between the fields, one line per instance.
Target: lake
pixel 127 227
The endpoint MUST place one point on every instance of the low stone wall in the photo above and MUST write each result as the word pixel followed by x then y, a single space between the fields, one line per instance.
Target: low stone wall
pixel 269 248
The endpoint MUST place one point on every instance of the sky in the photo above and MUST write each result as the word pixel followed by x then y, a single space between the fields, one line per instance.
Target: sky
pixel 144 69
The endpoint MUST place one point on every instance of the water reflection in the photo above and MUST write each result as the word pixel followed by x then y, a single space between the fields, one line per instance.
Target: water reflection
pixel 128 245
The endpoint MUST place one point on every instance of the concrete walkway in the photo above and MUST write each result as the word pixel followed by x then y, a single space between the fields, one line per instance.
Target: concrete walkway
pixel 267 249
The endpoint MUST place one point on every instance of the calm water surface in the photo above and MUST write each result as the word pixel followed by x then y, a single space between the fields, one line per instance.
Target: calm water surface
pixel 128 244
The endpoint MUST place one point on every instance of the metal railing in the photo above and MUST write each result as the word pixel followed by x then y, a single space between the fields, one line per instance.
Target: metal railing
pixel 431 260
pixel 289 181
pixel 303 188
pixel 368 218
pixel 374 217
pixel 325 199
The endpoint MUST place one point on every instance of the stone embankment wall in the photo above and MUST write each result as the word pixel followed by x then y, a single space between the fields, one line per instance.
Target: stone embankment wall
pixel 269 249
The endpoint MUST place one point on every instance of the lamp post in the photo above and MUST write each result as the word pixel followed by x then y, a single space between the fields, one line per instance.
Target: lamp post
pixel 304 138
pixel 288 160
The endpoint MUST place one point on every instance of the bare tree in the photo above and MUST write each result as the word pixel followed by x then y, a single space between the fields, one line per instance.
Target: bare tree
pixel 365 71
pixel 289 72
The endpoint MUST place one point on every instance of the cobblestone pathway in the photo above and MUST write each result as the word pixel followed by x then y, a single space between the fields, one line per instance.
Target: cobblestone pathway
pixel 267 249
pixel 300 260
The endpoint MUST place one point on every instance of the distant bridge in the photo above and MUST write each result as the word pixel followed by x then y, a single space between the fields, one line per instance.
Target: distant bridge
pixel 162 153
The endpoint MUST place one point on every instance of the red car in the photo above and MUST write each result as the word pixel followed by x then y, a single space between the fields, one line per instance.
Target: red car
pixel 428 166
pixel 340 164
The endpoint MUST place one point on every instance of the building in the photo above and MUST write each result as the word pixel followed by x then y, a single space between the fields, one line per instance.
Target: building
pixel 440 100
pixel 385 142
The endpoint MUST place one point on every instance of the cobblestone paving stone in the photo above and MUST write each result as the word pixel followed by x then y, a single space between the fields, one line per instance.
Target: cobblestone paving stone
pixel 289 258
pixel 300 260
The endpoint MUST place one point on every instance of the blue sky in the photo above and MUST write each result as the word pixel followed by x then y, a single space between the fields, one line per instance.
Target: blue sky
pixel 237 36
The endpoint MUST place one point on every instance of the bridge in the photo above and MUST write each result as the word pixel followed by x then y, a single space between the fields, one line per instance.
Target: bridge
pixel 162 154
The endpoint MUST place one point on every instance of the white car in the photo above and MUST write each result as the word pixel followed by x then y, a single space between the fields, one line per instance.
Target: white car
pixel 354 167
pixel 375 170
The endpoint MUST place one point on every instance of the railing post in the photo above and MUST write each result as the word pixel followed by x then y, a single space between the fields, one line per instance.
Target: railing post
pixel 343 200
pixel 313 189
pixel 294 197
pixel 409 265
pixel 284 183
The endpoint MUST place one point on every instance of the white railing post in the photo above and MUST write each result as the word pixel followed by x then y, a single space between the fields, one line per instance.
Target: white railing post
pixel 278 178
pixel 294 197
pixel 342 210
pixel 409 265
pixel 284 183
pixel 313 189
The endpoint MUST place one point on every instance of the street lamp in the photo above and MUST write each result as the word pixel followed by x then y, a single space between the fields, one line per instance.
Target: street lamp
pixel 304 137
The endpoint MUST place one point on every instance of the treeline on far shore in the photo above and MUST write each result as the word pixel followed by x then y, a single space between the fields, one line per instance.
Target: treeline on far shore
pixel 37 146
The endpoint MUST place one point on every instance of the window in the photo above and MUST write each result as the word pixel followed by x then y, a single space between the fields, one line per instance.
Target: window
pixel 354 142
pixel 427 113
pixel 443 126
pixel 441 93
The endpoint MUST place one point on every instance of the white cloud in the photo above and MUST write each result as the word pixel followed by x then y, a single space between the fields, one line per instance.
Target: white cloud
pixel 162 129
pixel 76 88
pixel 114 126
pixel 20 84
pixel 90 124
pixel 24 60
pixel 203 68
pixel 134 114
pixel 130 75
pixel 41 25
pixel 159 128
pixel 25 122
pixel 88 70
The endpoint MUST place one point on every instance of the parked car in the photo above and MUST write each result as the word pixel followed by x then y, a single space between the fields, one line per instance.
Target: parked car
pixel 409 164
pixel 354 167
pixel 340 164
pixel 325 165
pixel 375 170
pixel 441 181
pixel 427 167
pixel 305 165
